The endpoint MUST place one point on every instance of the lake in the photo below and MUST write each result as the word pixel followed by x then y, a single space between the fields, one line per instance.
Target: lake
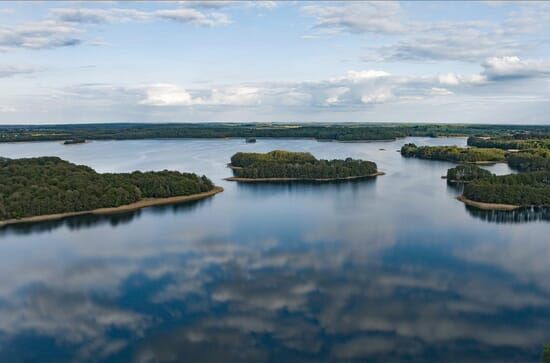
pixel 392 269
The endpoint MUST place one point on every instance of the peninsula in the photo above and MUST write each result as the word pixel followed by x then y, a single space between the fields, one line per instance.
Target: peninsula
pixel 279 165
pixel 454 153
pixel 47 188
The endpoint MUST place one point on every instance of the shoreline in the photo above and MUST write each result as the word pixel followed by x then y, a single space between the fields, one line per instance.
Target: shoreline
pixel 487 206
pixel 259 180
pixel 143 203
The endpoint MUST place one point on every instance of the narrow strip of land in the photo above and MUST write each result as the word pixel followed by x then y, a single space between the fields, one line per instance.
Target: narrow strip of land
pixel 487 206
pixel 147 202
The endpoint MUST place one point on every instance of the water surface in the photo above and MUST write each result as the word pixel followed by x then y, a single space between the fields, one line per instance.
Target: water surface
pixel 391 269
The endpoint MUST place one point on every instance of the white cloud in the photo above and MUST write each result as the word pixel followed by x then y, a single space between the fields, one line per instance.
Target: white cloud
pixel 194 17
pixel 437 91
pixel 378 96
pixel 162 94
pixel 357 17
pixel 11 70
pixel 514 67
pixel 39 35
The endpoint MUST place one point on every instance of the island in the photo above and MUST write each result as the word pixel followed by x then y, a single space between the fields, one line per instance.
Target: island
pixel 250 140
pixel 454 153
pixel 530 160
pixel 74 141
pixel 518 141
pixel 466 173
pixel 46 188
pixel 280 165
pixel 508 192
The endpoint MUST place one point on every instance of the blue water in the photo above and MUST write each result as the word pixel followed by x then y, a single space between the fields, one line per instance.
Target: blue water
pixel 392 269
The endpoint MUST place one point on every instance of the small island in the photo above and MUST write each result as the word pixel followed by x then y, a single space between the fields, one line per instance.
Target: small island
pixel 74 141
pixel 508 192
pixel 466 173
pixel 47 188
pixel 454 154
pixel 250 140
pixel 279 165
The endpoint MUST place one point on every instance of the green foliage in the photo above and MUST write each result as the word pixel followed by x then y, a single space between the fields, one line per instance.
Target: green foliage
pixel 452 153
pixel 546 354
pixel 285 164
pixel 467 173
pixel 524 189
pixel 530 160
pixel 49 185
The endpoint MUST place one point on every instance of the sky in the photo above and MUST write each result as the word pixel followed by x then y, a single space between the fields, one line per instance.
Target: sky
pixel 267 61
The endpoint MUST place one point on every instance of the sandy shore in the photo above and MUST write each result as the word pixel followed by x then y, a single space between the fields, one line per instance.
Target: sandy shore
pixel 149 202
pixel 258 180
pixel 487 206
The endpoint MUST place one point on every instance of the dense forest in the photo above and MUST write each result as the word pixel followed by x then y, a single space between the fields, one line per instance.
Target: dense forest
pixel 530 160
pixel 524 189
pixel 466 173
pixel 452 153
pixel 546 354
pixel 49 185
pixel 297 165
pixel 341 132
pixel 517 141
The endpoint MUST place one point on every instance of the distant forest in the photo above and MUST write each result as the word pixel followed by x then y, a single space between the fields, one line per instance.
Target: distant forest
pixel 297 165
pixel 49 185
pixel 340 132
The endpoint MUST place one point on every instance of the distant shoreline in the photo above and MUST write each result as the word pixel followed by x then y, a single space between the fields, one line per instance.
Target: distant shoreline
pixel 148 202
pixel 487 206
pixel 259 180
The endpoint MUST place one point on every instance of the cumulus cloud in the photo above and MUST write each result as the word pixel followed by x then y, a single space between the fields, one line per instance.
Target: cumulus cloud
pixel 163 94
pixel 513 67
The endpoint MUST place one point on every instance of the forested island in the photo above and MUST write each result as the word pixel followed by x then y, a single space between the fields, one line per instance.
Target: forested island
pixel 509 191
pixel 530 160
pixel 318 131
pixel 49 188
pixel 74 142
pixel 466 173
pixel 279 165
pixel 453 153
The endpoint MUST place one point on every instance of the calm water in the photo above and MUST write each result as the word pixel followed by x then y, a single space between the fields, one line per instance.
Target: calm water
pixel 386 270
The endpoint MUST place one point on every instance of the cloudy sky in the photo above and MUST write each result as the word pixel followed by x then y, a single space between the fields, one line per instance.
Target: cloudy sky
pixel 72 62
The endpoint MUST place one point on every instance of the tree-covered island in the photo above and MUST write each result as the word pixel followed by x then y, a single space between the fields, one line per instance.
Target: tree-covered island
pixel 454 153
pixel 508 192
pixel 49 188
pixel 466 173
pixel 281 165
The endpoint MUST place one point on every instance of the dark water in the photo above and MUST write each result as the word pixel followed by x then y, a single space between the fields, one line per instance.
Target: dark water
pixel 392 269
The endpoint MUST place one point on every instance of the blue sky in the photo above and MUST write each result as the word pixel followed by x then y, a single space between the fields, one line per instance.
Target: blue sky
pixel 193 61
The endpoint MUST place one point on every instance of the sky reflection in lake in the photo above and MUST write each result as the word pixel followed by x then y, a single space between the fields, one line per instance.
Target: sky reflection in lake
pixel 388 270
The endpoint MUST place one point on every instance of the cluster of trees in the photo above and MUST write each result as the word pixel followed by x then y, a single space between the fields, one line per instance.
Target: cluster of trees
pixel 517 141
pixel 467 173
pixel 524 189
pixel 452 153
pixel 49 185
pixel 285 164
pixel 342 132
pixel 530 160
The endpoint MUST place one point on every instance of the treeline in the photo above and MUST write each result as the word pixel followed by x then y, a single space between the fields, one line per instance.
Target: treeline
pixel 530 160
pixel 524 189
pixel 453 153
pixel 341 132
pixel 518 141
pixel 50 185
pixel 284 164
pixel 466 173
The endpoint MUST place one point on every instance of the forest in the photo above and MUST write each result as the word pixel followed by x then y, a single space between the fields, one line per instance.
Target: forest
pixel 523 189
pixel 530 160
pixel 516 141
pixel 50 185
pixel 466 173
pixel 319 131
pixel 453 153
pixel 297 165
